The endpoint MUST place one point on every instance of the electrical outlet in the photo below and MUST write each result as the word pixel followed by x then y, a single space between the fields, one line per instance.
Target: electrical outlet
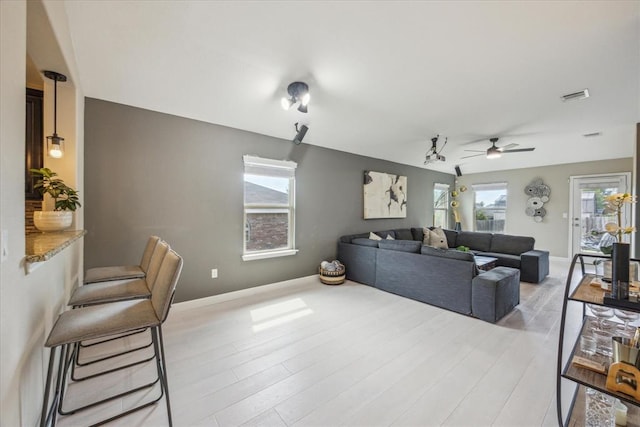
pixel 214 273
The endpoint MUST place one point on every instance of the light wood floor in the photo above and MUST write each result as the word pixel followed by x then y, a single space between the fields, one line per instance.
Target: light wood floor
pixel 311 354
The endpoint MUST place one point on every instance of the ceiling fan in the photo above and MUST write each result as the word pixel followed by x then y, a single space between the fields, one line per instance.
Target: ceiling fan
pixel 494 152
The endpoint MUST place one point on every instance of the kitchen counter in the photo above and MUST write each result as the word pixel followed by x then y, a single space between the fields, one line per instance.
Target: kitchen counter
pixel 44 245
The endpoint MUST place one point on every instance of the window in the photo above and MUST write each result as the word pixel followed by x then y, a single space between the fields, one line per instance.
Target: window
pixel 490 207
pixel 441 205
pixel 269 208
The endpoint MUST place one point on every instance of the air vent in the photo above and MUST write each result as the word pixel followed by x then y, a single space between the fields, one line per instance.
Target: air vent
pixel 583 94
pixel 592 134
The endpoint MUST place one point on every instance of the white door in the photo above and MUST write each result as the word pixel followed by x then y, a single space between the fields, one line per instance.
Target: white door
pixel 587 203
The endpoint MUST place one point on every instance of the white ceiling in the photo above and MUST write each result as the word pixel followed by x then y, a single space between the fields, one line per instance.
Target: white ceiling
pixel 385 77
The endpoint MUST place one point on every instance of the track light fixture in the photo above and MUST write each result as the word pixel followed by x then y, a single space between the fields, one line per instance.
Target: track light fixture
pixel 433 155
pixel 55 143
pixel 298 92
pixel 300 134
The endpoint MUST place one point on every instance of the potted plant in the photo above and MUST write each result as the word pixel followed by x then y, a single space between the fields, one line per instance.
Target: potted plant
pixel 65 199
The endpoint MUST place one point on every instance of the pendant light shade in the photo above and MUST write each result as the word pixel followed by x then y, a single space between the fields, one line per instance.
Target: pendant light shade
pixel 55 143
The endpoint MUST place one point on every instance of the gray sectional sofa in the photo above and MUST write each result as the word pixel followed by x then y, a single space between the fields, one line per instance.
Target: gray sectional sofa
pixel 445 278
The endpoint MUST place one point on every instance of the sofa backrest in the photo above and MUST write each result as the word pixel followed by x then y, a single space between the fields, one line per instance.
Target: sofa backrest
pixel 400 245
pixel 474 240
pixel 403 234
pixel 514 245
pixel 417 233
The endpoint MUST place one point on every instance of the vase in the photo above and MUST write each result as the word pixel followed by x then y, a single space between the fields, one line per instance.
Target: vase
pixel 620 271
pixel 52 220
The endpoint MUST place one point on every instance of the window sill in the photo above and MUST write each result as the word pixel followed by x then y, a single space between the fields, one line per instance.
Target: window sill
pixel 272 254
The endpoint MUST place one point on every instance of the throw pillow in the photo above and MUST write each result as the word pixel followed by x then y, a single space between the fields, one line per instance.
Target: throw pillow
pixel 374 236
pixel 426 234
pixel 389 237
pixel 438 240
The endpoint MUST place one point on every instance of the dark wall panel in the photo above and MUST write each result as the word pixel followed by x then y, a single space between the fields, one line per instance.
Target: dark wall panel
pixel 151 173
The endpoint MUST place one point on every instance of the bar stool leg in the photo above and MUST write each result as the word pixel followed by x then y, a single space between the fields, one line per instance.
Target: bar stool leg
pixel 45 409
pixel 162 367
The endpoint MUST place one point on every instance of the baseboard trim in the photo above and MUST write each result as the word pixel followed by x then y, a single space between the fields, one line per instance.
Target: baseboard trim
pixel 242 293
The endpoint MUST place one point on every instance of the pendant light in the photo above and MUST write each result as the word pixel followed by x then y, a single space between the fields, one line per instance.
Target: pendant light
pixel 55 143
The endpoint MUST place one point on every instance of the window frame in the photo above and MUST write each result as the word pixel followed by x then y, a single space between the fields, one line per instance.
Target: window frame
pixel 490 187
pixel 445 188
pixel 259 166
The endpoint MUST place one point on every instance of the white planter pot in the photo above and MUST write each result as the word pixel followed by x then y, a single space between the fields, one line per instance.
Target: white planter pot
pixel 52 220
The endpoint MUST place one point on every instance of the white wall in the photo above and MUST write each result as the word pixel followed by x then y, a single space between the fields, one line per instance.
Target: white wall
pixel 552 233
pixel 29 303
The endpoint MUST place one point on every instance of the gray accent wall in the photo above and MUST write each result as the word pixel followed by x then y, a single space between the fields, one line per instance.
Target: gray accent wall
pixel 152 173
pixel 552 233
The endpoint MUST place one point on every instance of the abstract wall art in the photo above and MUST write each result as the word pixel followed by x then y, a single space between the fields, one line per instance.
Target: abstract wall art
pixel 385 195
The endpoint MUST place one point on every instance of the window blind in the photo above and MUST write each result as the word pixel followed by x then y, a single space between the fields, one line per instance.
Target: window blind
pixel 269 167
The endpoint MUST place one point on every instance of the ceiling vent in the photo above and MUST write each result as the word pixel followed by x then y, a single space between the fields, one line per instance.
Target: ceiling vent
pixel 592 134
pixel 583 94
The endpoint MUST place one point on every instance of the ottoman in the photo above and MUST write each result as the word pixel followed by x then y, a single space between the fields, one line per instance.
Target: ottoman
pixel 495 293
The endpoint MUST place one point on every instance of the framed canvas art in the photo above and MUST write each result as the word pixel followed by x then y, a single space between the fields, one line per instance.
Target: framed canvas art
pixel 385 195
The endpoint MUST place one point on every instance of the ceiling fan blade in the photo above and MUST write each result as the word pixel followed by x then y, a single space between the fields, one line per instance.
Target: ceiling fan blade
pixel 477 151
pixel 474 155
pixel 507 147
pixel 518 150
pixel 475 141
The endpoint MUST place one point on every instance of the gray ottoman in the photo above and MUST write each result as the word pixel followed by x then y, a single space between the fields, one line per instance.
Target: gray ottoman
pixel 495 293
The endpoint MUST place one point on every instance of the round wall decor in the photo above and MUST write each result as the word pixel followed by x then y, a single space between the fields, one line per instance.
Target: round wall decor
pixel 539 194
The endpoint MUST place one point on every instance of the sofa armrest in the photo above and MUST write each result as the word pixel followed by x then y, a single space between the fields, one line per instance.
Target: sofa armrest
pixel 534 266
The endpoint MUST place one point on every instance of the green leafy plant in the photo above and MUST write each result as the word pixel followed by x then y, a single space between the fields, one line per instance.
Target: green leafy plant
pixel 65 197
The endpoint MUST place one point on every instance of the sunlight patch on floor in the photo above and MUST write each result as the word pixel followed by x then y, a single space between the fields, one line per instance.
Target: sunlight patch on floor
pixel 279 313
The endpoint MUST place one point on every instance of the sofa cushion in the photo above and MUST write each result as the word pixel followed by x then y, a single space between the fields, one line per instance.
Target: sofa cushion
pixel 514 245
pixel 417 234
pixel 447 253
pixel 401 245
pixel 437 238
pixel 474 240
pixel 349 237
pixel 452 236
pixel 404 234
pixel 505 260
pixel 365 242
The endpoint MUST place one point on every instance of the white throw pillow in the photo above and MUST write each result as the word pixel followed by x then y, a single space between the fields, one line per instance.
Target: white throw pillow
pixel 374 236
pixel 438 239
pixel 389 237
pixel 426 233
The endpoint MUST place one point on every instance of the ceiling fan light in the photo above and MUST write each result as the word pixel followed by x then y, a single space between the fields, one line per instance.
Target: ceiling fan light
pixel 305 98
pixel 493 153
pixel 302 108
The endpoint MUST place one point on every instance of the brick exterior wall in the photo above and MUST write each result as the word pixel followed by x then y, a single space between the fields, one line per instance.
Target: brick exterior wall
pixel 267 231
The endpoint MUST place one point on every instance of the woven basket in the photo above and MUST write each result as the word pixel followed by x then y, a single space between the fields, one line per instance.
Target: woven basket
pixel 332 277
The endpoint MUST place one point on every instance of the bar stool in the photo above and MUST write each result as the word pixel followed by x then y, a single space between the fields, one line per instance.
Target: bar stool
pixel 119 272
pixel 119 290
pixel 113 291
pixel 99 321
